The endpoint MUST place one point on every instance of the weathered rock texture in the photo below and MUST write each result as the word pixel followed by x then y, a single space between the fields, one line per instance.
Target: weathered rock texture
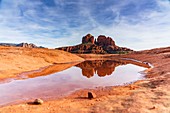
pixel 105 41
pixel 102 45
pixel 88 39
pixel 84 48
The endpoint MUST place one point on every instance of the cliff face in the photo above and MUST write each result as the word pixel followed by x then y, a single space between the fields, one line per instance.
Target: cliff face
pixel 102 45
pixel 105 41
pixel 84 48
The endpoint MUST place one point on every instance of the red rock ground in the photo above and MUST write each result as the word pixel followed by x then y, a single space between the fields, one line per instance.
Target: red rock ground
pixel 151 95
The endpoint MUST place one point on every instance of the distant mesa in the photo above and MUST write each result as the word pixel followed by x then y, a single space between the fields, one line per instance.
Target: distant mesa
pixel 101 45
pixel 25 45
pixel 100 67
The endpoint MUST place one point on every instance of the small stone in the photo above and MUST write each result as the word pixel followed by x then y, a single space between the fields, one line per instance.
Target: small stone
pixel 38 101
pixel 153 108
pixel 132 87
pixel 91 95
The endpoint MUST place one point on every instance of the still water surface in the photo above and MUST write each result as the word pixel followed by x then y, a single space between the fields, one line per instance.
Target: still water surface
pixel 88 74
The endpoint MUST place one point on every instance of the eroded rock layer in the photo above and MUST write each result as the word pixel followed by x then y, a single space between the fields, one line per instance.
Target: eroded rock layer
pixel 101 45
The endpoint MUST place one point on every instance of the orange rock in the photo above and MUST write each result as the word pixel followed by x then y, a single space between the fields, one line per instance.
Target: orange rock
pixel 91 95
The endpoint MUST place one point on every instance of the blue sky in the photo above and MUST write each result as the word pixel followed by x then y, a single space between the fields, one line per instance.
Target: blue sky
pixel 138 24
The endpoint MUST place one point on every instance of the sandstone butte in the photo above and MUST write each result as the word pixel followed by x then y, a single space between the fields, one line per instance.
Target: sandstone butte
pixel 15 60
pixel 101 45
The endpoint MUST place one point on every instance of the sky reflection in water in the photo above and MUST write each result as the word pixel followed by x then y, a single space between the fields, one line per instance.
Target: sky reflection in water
pixel 89 74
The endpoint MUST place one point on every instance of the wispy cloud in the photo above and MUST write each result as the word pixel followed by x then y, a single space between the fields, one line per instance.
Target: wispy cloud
pixel 139 24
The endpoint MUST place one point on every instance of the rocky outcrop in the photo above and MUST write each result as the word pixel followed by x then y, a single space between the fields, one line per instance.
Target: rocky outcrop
pixel 108 44
pixel 105 41
pixel 38 101
pixel 26 45
pixel 91 95
pixel 88 39
pixel 84 48
pixel 102 45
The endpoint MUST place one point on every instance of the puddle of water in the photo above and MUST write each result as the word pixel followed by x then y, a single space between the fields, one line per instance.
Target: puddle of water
pixel 89 74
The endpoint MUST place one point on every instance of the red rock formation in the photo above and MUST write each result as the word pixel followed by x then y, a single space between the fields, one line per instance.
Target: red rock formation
pixel 88 38
pixel 105 41
pixel 84 48
pixel 102 45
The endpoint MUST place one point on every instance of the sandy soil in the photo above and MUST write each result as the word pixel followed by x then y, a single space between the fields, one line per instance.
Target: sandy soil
pixel 15 60
pixel 147 96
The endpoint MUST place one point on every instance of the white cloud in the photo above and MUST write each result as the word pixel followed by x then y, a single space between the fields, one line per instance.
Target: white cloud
pixel 51 27
pixel 151 31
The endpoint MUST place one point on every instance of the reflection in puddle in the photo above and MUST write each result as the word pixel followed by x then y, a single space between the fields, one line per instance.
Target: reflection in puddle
pixel 101 67
pixel 89 74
